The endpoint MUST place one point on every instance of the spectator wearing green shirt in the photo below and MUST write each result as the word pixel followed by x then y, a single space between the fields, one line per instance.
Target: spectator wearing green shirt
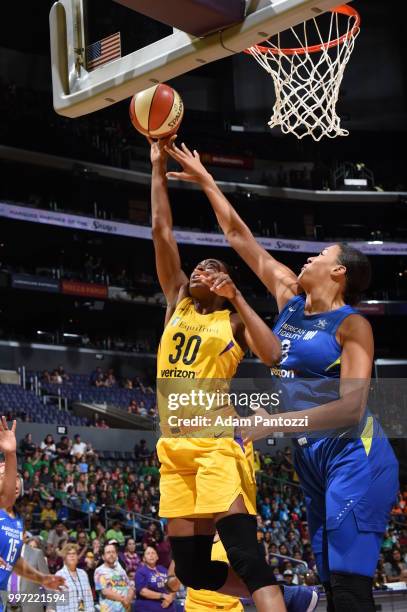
pixel 115 533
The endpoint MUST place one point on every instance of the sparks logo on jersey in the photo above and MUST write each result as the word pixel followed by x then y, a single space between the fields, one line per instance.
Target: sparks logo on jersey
pixel 321 323
pixel 175 321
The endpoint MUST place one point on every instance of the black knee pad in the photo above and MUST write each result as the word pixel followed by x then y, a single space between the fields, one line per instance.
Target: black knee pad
pixel 238 533
pixel 193 565
pixel 352 592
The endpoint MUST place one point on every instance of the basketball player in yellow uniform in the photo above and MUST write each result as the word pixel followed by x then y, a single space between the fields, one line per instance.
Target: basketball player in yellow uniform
pixel 206 481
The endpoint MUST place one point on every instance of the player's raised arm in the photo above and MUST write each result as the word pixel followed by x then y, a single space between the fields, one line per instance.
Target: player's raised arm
pixel 9 468
pixel 278 278
pixel 168 263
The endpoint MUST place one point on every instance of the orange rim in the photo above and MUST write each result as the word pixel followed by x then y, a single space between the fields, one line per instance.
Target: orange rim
pixel 344 9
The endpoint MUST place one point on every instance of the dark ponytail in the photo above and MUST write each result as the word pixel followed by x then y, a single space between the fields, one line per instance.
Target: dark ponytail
pixel 358 273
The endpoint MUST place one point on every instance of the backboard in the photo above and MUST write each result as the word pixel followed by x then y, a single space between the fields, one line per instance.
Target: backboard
pixel 78 91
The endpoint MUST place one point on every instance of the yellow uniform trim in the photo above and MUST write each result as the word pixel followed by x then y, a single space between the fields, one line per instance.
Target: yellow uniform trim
pixel 367 435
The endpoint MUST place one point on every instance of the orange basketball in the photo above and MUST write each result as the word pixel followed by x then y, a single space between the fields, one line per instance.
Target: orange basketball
pixel 157 112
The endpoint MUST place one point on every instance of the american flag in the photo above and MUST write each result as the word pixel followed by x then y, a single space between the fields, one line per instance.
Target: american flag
pixel 103 51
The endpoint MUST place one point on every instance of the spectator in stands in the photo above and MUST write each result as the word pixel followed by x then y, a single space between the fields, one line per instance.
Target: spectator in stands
pixel 142 410
pixel 64 376
pixel 45 377
pixel 163 548
pixel 58 536
pixel 141 451
pixel 102 424
pixel 151 592
pixel 48 446
pixel 63 447
pixel 395 566
pixel 54 561
pixel 56 378
pixel 128 384
pixel 83 547
pixel 44 533
pixel 48 512
pixel 151 536
pixel 110 379
pixel 288 577
pixel 112 583
pixel 27 446
pixel 133 407
pixel 95 376
pixel 78 448
pixel 115 533
pixel 129 558
pixel 100 381
pixel 78 589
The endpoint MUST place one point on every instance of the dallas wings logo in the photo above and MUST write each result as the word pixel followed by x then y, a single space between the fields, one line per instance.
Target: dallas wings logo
pixel 321 323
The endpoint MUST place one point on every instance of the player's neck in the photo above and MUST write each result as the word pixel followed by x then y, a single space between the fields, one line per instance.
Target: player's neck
pixel 207 306
pixel 323 299
pixel 10 512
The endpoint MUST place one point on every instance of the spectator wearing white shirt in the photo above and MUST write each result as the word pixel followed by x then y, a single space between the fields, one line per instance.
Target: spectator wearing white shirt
pixel 78 589
pixel 48 447
pixel 78 448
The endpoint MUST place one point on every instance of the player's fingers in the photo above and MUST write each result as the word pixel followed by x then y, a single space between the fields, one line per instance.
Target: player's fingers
pixel 14 426
pixel 3 424
pixel 186 150
pixel 177 150
pixel 150 140
pixel 196 154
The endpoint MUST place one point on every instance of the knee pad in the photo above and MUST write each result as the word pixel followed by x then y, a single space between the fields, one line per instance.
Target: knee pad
pixel 352 592
pixel 193 565
pixel 238 533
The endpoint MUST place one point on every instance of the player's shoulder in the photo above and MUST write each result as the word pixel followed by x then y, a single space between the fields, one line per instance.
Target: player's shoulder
pixel 355 326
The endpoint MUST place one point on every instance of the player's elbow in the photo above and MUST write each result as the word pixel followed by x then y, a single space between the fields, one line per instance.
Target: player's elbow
pixel 355 413
pixel 272 355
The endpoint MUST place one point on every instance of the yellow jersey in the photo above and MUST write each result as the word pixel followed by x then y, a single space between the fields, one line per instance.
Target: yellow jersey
pixel 197 357
pixel 198 600
pixel 195 345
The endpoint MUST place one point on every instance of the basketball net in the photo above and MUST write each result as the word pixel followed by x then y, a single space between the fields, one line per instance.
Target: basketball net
pixel 307 78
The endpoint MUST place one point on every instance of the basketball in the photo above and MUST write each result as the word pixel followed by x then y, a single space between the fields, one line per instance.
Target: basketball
pixel 157 112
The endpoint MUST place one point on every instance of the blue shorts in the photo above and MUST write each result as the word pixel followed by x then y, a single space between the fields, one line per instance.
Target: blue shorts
pixel 350 486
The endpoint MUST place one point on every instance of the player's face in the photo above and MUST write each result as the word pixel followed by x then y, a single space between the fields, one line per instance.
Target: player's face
pixel 197 288
pixel 318 269
pixel 18 481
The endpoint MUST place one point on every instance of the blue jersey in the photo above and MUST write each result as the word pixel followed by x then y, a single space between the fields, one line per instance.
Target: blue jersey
pixel 309 345
pixel 308 374
pixel 11 543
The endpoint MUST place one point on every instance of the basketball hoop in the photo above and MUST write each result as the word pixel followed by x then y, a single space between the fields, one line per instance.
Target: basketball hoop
pixel 307 77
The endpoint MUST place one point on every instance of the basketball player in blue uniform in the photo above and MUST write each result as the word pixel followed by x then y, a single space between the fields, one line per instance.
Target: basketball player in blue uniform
pixel 11 525
pixel 345 463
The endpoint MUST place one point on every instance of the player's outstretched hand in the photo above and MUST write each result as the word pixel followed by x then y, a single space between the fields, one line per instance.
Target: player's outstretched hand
pixel 55 583
pixel 220 283
pixel 8 442
pixel 193 171
pixel 158 153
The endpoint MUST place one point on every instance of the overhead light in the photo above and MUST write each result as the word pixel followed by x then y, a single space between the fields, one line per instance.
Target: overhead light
pixel 71 335
pixel 375 242
pixel 372 301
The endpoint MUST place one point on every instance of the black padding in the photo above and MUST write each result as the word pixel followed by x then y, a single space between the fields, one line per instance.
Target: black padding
pixel 238 533
pixel 193 565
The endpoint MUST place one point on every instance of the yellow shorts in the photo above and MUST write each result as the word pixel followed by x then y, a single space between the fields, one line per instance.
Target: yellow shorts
pixel 203 476
pixel 197 601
